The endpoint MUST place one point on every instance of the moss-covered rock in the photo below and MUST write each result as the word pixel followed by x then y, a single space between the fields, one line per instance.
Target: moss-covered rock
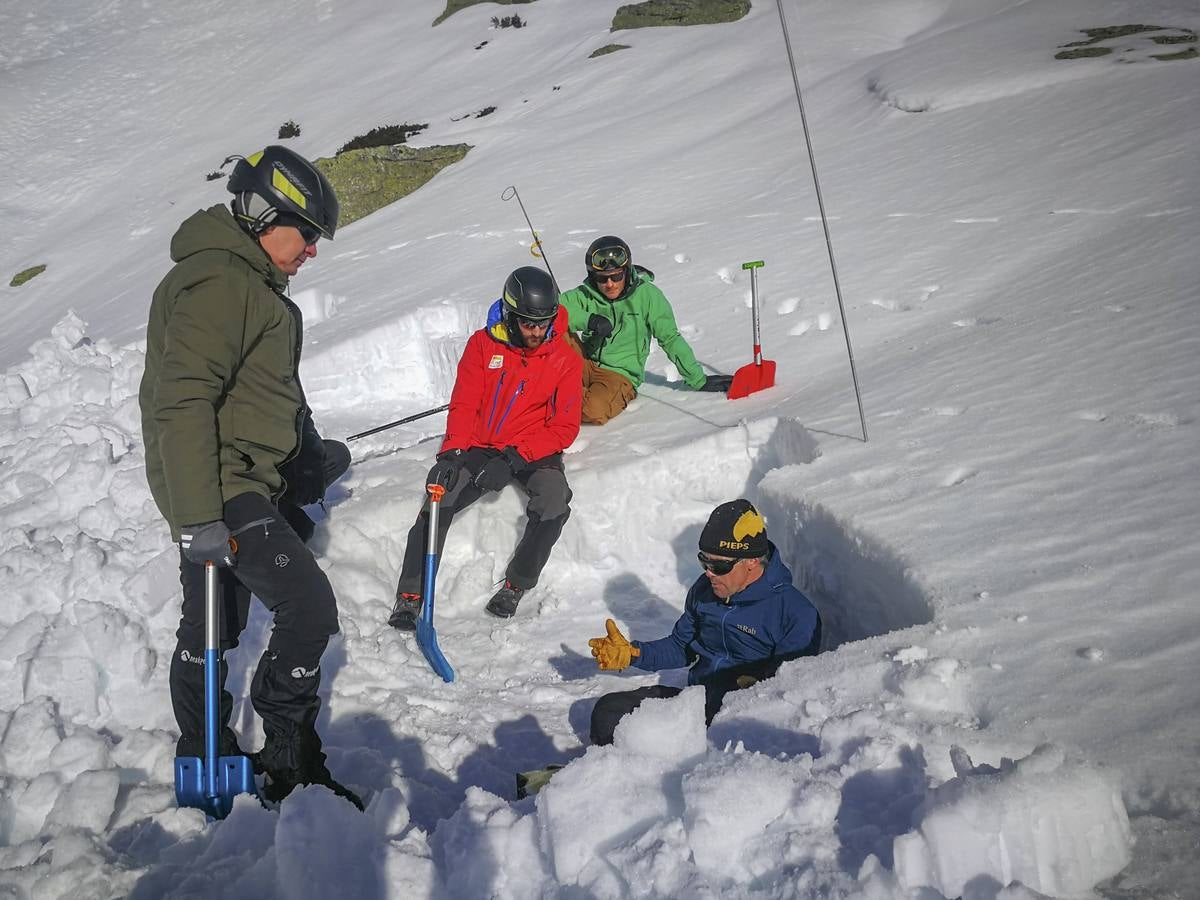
pixel 1117 38
pixel 453 6
pixel 371 178
pixel 21 277
pixel 679 12
pixel 606 49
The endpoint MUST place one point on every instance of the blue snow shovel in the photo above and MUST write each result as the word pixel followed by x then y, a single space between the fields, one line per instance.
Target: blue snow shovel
pixel 426 633
pixel 211 783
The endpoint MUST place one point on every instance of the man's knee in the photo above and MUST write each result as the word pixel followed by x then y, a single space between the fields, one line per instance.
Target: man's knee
pixel 608 711
pixel 549 494
pixel 600 404
pixel 337 461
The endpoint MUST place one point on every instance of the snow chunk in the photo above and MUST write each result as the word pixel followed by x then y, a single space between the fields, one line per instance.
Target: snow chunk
pixel 87 802
pixel 324 847
pixel 620 791
pixel 1055 828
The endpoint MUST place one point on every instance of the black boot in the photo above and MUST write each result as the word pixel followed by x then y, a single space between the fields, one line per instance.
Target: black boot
pixel 504 602
pixel 406 612
pixel 291 759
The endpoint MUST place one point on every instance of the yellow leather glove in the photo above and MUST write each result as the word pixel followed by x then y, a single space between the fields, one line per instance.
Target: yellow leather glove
pixel 613 652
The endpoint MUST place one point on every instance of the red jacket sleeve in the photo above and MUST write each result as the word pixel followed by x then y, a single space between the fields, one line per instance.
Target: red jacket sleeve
pixel 466 396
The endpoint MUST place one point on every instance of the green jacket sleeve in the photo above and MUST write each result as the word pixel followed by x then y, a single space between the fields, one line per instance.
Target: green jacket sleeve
pixel 579 307
pixel 201 351
pixel 666 332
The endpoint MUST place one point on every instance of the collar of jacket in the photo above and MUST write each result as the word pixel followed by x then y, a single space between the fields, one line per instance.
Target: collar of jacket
pixel 215 228
pixel 775 577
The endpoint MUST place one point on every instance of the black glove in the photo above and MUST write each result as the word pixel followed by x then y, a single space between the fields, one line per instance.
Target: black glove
pixel 599 326
pixel 716 383
pixel 499 471
pixel 209 541
pixel 446 468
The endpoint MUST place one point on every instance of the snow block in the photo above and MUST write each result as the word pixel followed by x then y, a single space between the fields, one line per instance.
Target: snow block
pixel 617 792
pixel 1056 828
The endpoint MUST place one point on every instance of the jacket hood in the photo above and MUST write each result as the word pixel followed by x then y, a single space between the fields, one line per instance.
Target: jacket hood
pixel 498 329
pixel 215 228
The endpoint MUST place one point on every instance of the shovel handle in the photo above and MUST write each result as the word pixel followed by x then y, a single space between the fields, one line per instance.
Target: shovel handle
pixel 754 266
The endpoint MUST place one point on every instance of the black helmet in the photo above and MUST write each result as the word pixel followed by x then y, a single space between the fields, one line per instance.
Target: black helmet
pixel 608 253
pixel 280 182
pixel 530 294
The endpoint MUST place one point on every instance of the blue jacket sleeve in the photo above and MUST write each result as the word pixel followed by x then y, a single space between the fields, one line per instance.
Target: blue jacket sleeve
pixel 670 652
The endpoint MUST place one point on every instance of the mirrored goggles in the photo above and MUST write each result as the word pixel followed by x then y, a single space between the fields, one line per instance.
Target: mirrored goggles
pixel 610 258
pixel 716 566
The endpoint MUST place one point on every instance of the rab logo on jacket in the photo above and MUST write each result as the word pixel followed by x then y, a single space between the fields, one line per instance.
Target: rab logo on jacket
pixel 496 362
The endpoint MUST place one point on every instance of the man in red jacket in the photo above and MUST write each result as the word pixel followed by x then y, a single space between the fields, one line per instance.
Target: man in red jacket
pixel 514 409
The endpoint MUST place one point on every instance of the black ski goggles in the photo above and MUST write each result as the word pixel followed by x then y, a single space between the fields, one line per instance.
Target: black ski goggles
pixel 610 258
pixel 716 566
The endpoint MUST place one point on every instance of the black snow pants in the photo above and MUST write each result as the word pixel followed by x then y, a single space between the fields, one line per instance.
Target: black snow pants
pixel 544 482
pixel 274 565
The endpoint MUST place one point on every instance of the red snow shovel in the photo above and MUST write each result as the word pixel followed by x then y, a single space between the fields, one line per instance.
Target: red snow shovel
pixel 760 374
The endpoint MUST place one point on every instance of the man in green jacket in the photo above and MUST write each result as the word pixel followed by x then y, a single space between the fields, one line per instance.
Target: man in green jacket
pixel 619 308
pixel 223 411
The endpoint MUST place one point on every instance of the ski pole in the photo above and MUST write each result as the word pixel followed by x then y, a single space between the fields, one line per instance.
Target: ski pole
pixel 536 247
pixel 406 419
pixel 787 42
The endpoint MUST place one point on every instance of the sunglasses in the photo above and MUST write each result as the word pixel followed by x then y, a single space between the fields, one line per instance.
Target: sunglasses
pixel 601 278
pixel 716 566
pixel 534 323
pixel 610 258
pixel 309 232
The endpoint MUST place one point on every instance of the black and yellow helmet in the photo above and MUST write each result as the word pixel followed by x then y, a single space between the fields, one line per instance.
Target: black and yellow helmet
pixel 530 294
pixel 608 253
pixel 277 182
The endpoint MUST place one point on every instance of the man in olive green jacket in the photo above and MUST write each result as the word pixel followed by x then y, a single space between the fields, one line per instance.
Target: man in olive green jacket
pixel 223 410
pixel 619 308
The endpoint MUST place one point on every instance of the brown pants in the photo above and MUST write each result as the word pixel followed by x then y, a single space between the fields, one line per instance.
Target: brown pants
pixel 605 393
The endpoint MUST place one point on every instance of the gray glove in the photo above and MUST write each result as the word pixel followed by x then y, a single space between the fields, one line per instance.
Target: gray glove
pixel 209 541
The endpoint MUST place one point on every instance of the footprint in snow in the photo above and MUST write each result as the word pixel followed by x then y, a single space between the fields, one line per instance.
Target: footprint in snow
pixel 725 274
pixel 958 476
pixel 1091 415
pixel 787 305
pixel 682 258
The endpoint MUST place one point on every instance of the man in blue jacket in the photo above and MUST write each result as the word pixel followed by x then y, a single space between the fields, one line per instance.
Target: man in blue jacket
pixel 741 619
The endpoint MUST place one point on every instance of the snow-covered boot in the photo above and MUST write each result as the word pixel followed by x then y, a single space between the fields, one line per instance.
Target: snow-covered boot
pixel 291 759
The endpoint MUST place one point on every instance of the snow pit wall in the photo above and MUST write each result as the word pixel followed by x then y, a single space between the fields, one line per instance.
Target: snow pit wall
pixel 860 587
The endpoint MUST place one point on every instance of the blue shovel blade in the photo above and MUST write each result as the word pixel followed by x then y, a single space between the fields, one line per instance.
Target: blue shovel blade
pixel 427 641
pixel 235 775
